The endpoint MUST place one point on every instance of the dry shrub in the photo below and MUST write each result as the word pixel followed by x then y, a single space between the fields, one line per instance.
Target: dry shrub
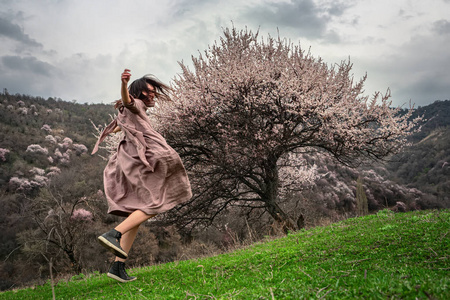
pixel 197 249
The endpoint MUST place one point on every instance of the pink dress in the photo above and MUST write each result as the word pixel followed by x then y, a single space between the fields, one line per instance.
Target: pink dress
pixel 145 173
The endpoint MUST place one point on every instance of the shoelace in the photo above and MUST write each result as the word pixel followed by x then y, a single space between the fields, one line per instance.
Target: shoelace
pixel 122 269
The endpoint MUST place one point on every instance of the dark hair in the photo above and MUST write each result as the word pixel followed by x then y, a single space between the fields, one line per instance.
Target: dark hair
pixel 136 88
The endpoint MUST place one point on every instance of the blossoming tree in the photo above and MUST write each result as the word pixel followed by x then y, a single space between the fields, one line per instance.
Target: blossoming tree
pixel 249 104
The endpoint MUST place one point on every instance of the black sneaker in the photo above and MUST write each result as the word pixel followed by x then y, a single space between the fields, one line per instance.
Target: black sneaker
pixel 111 241
pixel 117 272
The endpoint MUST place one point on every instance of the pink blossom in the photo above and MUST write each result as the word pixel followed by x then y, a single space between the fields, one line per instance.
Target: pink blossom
pixel 37 171
pixel 248 107
pixel 80 148
pixel 53 171
pixel 39 180
pixel 68 141
pixel 51 139
pixel 3 153
pixel 23 110
pixel 65 159
pixel 21 184
pixel 15 182
pixel 20 103
pixel 82 215
pixel 46 128
pixel 37 149
pixel 58 153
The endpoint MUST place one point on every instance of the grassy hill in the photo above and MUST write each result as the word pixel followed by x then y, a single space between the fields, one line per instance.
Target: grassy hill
pixel 380 256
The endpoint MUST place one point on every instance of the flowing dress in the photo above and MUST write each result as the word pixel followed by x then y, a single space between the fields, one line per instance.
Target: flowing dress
pixel 145 173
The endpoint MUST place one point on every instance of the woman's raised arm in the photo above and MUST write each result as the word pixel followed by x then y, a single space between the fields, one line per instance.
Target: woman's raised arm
pixel 124 89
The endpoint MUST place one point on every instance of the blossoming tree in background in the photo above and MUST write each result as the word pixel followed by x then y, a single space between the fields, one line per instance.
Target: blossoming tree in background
pixel 248 104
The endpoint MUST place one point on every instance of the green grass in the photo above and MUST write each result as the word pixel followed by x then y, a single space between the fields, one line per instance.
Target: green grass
pixel 380 256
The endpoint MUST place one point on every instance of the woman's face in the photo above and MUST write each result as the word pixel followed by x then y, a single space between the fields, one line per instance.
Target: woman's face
pixel 149 95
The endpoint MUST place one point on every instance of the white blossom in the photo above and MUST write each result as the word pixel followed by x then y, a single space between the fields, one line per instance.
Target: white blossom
pixel 37 171
pixel 51 139
pixel 37 149
pixel 23 110
pixel 46 128
pixel 53 171
pixel 3 153
pixel 80 148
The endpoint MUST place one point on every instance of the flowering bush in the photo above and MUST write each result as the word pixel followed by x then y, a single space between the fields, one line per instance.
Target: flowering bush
pixel 37 149
pixel 3 153
pixel 37 171
pixel 53 171
pixel 23 110
pixel 67 141
pixel 82 215
pixel 58 153
pixel 51 139
pixel 80 148
pixel 22 184
pixel 46 128
pixel 40 180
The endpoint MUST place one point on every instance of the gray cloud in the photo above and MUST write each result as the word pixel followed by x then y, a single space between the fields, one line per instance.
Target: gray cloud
pixel 408 53
pixel 418 71
pixel 27 64
pixel 305 17
pixel 14 32
pixel 441 27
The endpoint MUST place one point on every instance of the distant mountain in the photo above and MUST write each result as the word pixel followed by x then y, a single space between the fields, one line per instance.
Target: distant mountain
pixel 436 115
pixel 425 164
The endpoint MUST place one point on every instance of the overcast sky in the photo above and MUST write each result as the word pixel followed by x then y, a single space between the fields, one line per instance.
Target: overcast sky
pixel 76 49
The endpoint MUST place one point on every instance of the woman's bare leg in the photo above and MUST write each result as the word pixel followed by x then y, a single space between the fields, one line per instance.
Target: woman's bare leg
pixel 127 241
pixel 133 220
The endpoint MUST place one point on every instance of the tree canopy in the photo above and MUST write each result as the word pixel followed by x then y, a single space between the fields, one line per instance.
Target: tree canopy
pixel 249 104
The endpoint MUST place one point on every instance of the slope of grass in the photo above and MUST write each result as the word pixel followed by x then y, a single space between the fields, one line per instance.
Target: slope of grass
pixel 379 256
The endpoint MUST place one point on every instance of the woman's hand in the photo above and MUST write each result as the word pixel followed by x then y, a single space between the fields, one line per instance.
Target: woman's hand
pixel 126 76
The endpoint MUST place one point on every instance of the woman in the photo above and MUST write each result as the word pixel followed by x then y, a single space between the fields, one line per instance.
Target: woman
pixel 145 176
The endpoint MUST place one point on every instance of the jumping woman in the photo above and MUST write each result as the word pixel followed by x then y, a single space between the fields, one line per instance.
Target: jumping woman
pixel 145 176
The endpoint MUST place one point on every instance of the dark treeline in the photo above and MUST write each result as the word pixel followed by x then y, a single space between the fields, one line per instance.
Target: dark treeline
pixel 53 206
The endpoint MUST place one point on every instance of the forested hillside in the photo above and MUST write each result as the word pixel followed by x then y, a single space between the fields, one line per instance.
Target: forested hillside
pixel 51 192
pixel 425 164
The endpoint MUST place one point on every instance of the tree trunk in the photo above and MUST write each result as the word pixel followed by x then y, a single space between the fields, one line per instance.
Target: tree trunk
pixel 271 197
pixel 75 265
pixel 280 216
